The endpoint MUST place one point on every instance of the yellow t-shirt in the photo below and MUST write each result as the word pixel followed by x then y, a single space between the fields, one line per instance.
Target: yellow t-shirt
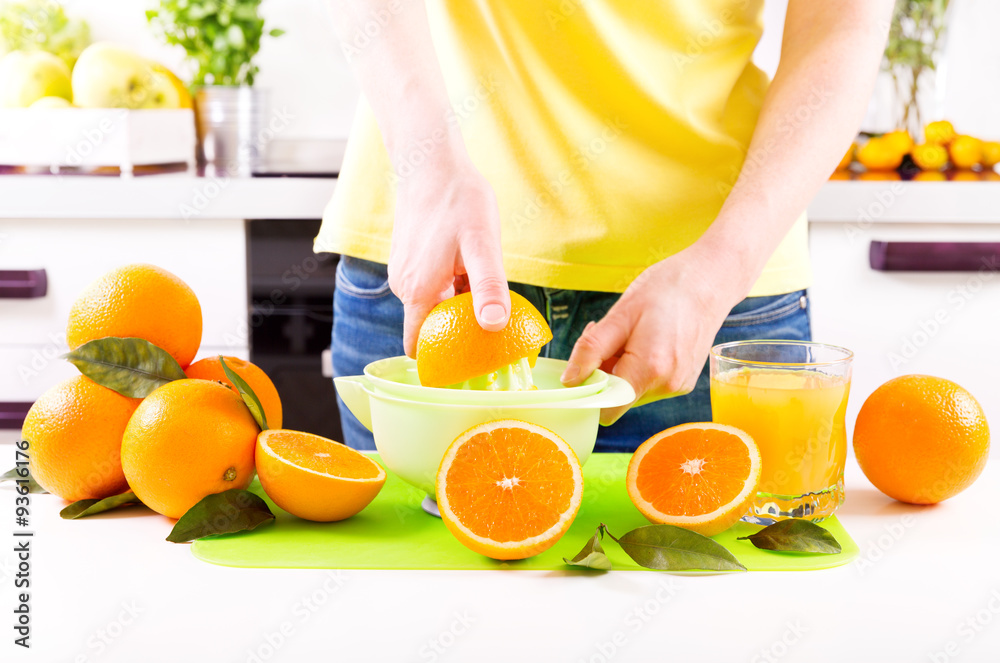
pixel 611 131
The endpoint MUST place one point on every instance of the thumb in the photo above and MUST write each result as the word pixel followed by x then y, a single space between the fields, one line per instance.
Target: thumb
pixel 490 294
pixel 634 370
pixel 599 342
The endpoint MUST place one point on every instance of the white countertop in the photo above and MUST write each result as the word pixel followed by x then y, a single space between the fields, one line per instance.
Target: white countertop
pixel 907 202
pixel 181 196
pixel 186 196
pixel 929 580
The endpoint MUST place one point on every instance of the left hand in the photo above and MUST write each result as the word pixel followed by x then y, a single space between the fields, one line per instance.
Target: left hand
pixel 659 333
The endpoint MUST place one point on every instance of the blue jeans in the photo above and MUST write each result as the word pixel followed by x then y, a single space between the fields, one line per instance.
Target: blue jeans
pixel 368 325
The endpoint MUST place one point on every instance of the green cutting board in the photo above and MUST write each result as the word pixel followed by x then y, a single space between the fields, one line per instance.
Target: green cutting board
pixel 393 532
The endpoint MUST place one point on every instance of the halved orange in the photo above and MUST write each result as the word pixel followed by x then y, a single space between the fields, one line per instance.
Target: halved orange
pixel 453 348
pixel 699 476
pixel 315 478
pixel 509 489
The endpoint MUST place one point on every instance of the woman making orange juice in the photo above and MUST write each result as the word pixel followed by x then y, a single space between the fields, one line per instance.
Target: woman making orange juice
pixel 622 165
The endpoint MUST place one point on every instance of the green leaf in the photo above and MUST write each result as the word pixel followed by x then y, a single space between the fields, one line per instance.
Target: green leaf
pixel 276 32
pixel 592 556
pixel 131 366
pixel 670 548
pixel 22 474
pixel 795 535
pixel 250 398
pixel 233 510
pixel 84 508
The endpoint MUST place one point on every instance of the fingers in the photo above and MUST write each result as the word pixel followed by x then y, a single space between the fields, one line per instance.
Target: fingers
pixel 414 314
pixel 483 263
pixel 599 342
pixel 654 376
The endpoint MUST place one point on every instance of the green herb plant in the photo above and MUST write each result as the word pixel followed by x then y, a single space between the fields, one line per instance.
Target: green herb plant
pixel 41 25
pixel 221 37
pixel 912 54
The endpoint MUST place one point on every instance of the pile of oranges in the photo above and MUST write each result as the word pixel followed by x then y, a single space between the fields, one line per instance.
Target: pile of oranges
pixel 190 437
pixel 966 157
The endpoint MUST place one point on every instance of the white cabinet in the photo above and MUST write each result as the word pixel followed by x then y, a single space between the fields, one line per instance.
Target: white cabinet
pixel 935 323
pixel 210 255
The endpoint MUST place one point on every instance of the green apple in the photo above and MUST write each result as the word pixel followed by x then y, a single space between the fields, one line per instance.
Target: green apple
pixel 51 102
pixel 27 76
pixel 107 75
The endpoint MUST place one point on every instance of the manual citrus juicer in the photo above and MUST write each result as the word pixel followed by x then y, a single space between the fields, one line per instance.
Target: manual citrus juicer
pixel 413 425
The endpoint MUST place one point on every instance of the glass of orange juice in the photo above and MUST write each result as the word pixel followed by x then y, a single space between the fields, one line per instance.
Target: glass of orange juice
pixel 791 397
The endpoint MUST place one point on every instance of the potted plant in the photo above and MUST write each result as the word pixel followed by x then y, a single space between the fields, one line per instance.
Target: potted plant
pixel 913 57
pixel 221 38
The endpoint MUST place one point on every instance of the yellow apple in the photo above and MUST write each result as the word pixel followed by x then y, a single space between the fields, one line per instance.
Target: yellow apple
pixel 107 75
pixel 182 91
pixel 51 102
pixel 27 76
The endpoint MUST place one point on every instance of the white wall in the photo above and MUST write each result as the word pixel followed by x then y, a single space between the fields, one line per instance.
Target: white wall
pixel 307 72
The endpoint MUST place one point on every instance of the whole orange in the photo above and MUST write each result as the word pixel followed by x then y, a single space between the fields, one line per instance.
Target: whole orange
pixel 210 368
pixel 142 301
pixel 941 132
pixel 74 432
pixel 991 154
pixel 880 153
pixel 186 440
pixel 921 439
pixel 452 347
pixel 966 152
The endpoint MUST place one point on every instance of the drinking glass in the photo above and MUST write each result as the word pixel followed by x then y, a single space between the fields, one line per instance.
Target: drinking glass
pixel 791 398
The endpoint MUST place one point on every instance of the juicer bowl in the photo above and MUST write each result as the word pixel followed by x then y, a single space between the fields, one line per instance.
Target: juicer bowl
pixel 413 432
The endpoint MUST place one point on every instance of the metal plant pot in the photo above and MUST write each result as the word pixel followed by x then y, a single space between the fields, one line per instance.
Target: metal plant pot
pixel 231 122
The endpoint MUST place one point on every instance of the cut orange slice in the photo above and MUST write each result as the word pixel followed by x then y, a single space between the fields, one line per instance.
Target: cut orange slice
pixel 509 489
pixel 700 476
pixel 315 478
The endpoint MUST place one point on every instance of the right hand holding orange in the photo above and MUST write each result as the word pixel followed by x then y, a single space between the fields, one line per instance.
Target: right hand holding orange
pixel 445 240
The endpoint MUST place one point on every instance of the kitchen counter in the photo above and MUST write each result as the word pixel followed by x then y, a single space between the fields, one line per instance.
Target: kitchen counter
pixel 907 202
pixel 926 588
pixel 296 182
pixel 181 196
pixel 186 195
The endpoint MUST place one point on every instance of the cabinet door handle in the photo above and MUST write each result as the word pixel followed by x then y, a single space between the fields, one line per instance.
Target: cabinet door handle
pixel 934 256
pixel 23 283
pixel 12 415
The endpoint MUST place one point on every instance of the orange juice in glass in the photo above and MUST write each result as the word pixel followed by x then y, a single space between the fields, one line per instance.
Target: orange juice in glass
pixel 791 397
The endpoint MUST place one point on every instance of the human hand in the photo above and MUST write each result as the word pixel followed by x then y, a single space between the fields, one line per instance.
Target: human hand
pixel 659 333
pixel 446 240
